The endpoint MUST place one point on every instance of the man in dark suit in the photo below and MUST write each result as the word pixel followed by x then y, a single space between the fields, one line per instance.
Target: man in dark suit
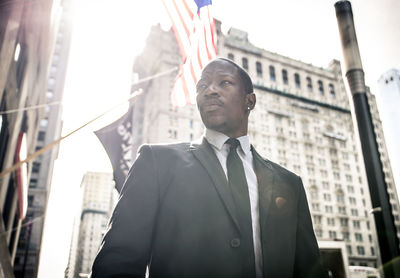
pixel 212 209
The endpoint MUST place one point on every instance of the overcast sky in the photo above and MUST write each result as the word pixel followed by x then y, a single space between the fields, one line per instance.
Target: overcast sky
pixel 107 36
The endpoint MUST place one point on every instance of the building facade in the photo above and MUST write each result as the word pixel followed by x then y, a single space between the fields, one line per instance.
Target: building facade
pixel 27 258
pixel 302 121
pixel 98 199
pixel 388 97
pixel 385 159
pixel 26 39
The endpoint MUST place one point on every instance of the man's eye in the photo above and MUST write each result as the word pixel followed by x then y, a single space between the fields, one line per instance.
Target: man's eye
pixel 226 83
pixel 201 87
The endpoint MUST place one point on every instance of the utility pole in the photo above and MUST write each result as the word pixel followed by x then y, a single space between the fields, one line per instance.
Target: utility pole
pixel 382 210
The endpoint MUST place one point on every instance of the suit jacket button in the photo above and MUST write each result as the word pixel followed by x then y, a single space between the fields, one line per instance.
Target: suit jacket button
pixel 235 243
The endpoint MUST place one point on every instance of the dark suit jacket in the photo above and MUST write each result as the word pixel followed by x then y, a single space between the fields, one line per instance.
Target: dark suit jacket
pixel 177 216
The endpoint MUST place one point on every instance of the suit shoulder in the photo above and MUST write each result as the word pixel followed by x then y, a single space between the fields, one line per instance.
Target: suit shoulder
pixel 165 148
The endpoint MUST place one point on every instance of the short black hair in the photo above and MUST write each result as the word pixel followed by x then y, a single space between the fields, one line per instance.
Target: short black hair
pixel 247 83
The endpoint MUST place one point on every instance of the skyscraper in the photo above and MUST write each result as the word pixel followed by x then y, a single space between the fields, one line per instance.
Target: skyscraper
pixel 302 120
pixel 28 252
pixel 388 97
pixel 26 33
pixel 98 195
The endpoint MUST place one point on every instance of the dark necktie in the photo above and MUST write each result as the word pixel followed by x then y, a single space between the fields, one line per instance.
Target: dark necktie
pixel 240 192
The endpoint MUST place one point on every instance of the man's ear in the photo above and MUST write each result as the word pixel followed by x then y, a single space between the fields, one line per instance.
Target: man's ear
pixel 251 101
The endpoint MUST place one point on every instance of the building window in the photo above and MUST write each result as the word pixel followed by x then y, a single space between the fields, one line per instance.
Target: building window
pixel 331 221
pixel 317 219
pixel 320 87
pixel 259 68
pixel 360 250
pixel 340 198
pixel 358 237
pixel 49 94
pixel 297 80
pixel 41 135
pixel 231 57
pixel 245 63
pixel 352 200
pixel 272 75
pixel 309 84
pixel 332 234
pixel 315 206
pixel 348 247
pixel 346 236
pixel 30 200
pixel 35 167
pixel 331 90
pixel 344 222
pixel 33 183
pixel 44 122
pixel 285 79
pixel 356 224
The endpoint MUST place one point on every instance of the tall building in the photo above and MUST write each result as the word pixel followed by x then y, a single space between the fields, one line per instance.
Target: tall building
pixel 302 121
pixel 26 262
pixel 98 199
pixel 26 40
pixel 388 97
pixel 386 162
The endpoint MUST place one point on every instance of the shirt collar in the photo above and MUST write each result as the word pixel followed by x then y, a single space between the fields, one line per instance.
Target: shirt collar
pixel 218 139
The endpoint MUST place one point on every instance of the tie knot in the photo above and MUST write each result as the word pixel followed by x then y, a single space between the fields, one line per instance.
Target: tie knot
pixel 233 143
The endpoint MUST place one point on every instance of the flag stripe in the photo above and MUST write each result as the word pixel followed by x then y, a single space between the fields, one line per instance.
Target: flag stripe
pixel 195 32
pixel 182 38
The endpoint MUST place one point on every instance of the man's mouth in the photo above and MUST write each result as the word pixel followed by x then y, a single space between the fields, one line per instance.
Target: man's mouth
pixel 212 102
pixel 211 105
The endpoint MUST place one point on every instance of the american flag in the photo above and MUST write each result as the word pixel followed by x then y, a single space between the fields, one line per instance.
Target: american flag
pixel 195 31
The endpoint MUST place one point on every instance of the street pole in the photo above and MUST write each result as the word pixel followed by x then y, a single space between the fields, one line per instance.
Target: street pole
pixel 382 210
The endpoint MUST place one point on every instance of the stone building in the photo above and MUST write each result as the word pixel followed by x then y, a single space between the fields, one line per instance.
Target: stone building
pixel 98 199
pixel 27 258
pixel 388 98
pixel 26 41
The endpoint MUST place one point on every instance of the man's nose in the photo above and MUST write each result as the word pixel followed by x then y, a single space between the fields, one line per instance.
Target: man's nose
pixel 212 89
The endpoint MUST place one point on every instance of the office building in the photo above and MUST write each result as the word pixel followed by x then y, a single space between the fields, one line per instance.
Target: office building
pixel 302 121
pixel 26 40
pixel 27 258
pixel 385 159
pixel 98 199
pixel 388 98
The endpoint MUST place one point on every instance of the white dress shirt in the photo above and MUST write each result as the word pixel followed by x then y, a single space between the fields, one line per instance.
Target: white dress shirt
pixel 217 141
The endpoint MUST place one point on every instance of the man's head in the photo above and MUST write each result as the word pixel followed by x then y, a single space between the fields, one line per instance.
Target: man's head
pixel 225 97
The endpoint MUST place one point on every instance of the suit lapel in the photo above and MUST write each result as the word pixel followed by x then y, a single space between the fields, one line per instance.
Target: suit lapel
pixel 266 179
pixel 205 154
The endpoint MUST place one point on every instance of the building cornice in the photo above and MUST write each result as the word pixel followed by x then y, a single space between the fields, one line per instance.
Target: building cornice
pixel 302 99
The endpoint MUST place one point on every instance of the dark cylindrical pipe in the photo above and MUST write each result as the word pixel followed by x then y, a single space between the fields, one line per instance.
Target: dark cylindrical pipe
pixel 384 221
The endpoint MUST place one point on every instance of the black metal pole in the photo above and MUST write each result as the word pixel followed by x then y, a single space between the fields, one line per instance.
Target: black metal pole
pixel 384 221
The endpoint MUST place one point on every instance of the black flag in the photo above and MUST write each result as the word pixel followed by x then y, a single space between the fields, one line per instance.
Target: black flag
pixel 117 141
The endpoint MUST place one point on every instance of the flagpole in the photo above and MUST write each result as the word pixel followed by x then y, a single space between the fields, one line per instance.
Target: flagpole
pixel 382 210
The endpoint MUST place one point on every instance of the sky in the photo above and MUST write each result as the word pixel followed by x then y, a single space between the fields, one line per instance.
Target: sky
pixel 108 34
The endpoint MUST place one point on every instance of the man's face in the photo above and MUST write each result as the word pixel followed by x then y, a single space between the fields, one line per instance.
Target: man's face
pixel 221 99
